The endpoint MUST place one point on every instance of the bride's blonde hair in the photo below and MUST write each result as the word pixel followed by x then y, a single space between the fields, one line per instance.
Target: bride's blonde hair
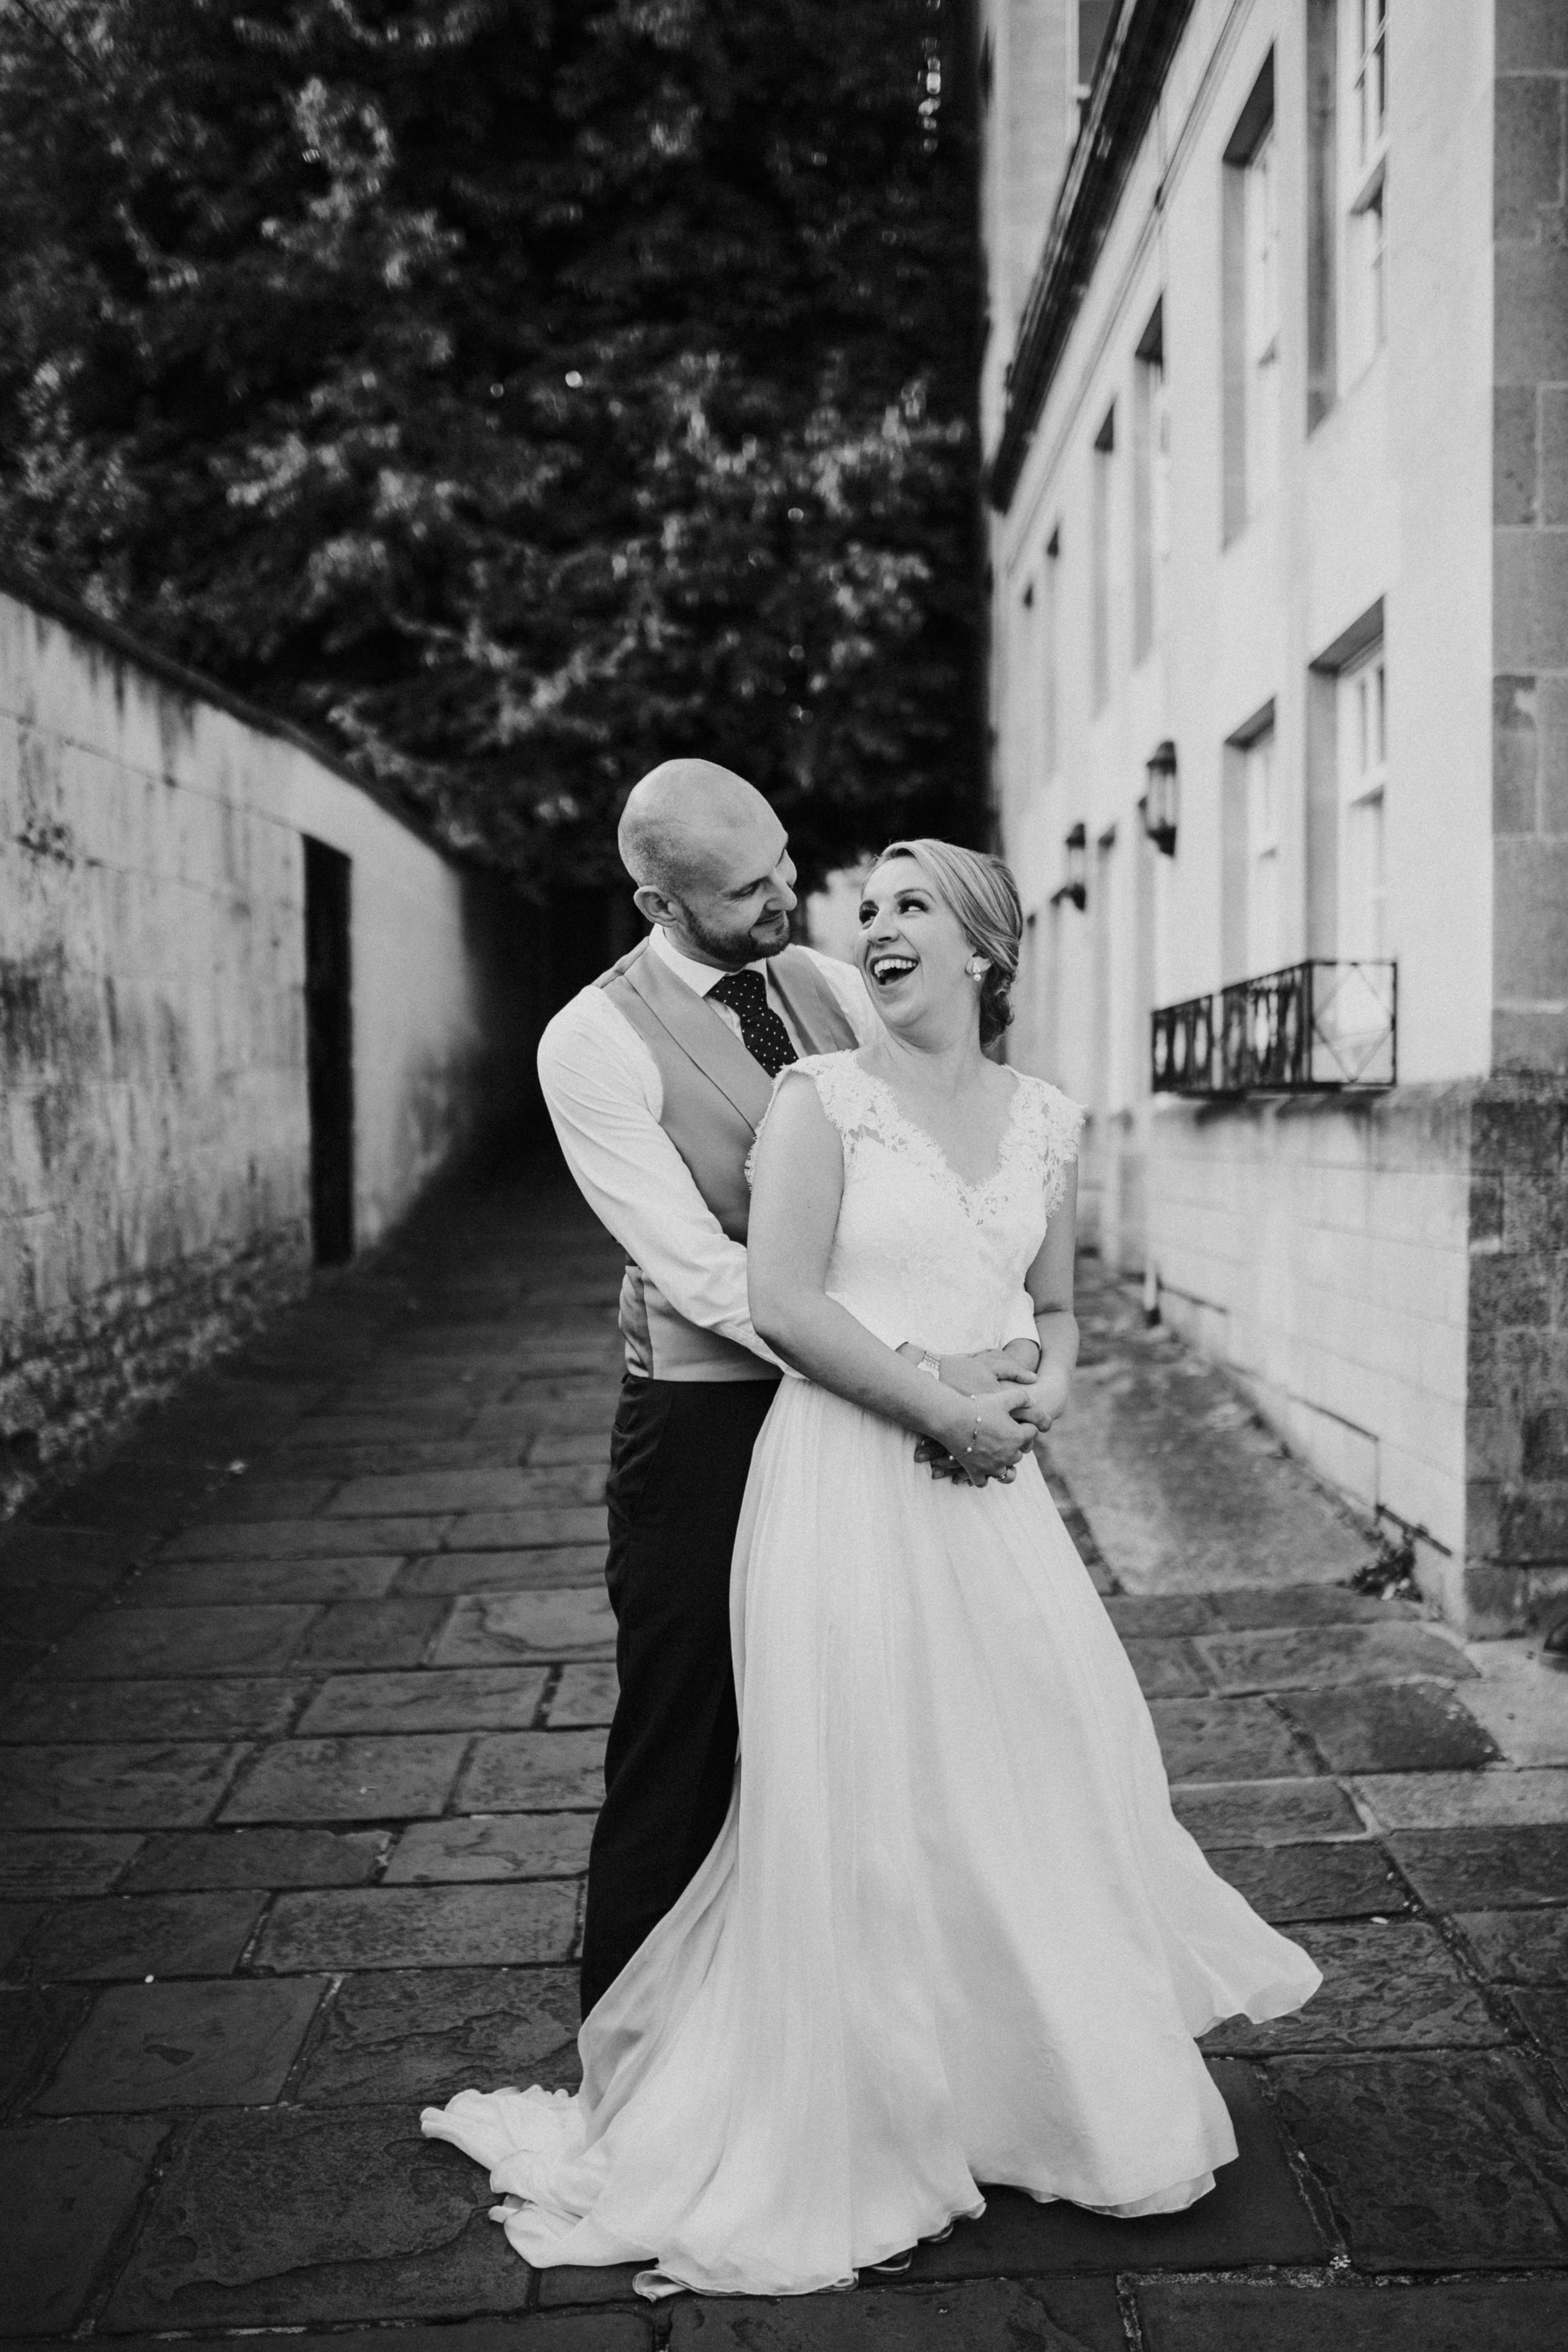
pixel 981 892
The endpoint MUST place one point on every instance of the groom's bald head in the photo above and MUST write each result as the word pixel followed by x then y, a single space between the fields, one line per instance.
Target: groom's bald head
pixel 682 817
pixel 710 861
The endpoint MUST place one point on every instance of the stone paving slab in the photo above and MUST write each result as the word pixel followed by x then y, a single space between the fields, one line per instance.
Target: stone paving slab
pixel 1264 1607
pixel 1526 2315
pixel 532 1771
pixel 121 1784
pixel 17 1921
pixel 1528 1948
pixel 86 1559
pixel 1308 1657
pixel 1222 1739
pixel 417 2037
pixel 1033 2315
pixel 1496 2195
pixel 209 1584
pixel 63 1863
pixel 1265 1813
pixel 1391 1728
pixel 370 1778
pixel 150 2047
pixel 420 1928
pixel 67 2189
pixel 1167 1668
pixel 532 1530
pixel 1394 1986
pixel 524 1625
pixel 493 1845
pixel 1314 1881
pixel 127 1936
pixel 362 2219
pixel 478 1698
pixel 438 1491
pixel 584 1695
pixel 1465 1870
pixel 37 2021
pixel 1543 2011
pixel 548 1447
pixel 1256 2214
pixel 550 1566
pixel 257 1857
pixel 220 1708
pixel 1135 1614
pixel 135 1644
pixel 372 1633
pixel 304 1539
pixel 269 1498
pixel 1458 1801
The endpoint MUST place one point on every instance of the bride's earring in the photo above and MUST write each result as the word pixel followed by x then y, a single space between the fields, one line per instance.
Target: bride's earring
pixel 977 967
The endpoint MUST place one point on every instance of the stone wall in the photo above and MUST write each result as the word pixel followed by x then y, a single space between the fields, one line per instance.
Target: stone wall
pixel 154 1122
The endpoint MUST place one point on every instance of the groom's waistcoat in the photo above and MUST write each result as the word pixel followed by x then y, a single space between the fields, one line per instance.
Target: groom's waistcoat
pixel 714 1098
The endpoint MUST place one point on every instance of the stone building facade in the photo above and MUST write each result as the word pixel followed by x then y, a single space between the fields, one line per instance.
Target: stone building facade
pixel 247 1014
pixel 1275 409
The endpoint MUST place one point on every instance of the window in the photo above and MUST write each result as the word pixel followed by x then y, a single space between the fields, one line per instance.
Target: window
pixel 1263 947
pixel 1151 487
pixel 1363 762
pixel 1104 446
pixel 1050 716
pixel 1363 41
pixel 1251 307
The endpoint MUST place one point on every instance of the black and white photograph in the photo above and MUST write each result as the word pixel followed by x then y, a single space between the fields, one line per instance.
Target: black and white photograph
pixel 784 1175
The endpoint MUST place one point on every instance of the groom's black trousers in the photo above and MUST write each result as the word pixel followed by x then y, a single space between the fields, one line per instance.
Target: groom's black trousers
pixel 678 1459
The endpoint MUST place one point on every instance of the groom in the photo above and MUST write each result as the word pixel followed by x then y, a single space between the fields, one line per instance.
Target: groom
pixel 657 1078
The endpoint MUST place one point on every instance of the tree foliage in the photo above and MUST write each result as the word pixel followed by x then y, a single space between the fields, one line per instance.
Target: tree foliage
pixel 514 390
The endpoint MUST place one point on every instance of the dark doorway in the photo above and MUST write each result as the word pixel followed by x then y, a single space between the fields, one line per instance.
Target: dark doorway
pixel 329 1052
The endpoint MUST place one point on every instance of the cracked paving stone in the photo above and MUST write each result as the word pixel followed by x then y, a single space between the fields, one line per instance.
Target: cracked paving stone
pixel 531 1531
pixel 1313 1882
pixel 1167 1669
pixel 1225 1739
pixel 132 1645
pixel 259 1857
pixel 584 1695
pixel 63 1863
pixel 68 2189
pixel 477 1698
pixel 36 2023
pixel 498 1845
pixel 437 1492
pixel 211 1584
pixel 532 1772
pixel 260 1705
pixel 551 1567
pixel 1384 1988
pixel 1256 2213
pixel 224 2043
pixel 420 1926
pixel 1330 1656
pixel 1265 1813
pixel 287 2217
pixel 1523 1947
pixel 423 2035
pixel 175 1784
pixel 1456 2316
pixel 525 1625
pixel 1369 2127
pixel 1460 1800
pixel 1490 1869
pixel 370 1778
pixel 1391 1728
pixel 367 1633
pixel 304 1539
pixel 1034 2314
pixel 196 1934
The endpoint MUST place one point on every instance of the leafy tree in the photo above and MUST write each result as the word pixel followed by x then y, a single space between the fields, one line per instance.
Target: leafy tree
pixel 514 392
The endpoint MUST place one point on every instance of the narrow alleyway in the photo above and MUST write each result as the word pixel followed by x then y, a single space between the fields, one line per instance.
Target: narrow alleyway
pixel 302 1743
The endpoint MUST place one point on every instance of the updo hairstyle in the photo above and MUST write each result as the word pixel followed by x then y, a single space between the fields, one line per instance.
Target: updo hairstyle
pixel 981 892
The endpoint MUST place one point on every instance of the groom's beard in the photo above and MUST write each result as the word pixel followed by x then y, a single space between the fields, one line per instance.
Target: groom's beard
pixel 738 948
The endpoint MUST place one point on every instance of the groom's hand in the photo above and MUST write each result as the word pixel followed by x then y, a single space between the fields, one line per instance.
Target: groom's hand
pixel 983 1373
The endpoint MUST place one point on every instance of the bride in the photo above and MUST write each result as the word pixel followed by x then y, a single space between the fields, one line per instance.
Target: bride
pixel 951 1933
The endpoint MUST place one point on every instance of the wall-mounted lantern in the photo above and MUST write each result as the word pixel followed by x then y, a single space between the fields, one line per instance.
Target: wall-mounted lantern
pixel 1076 886
pixel 1160 802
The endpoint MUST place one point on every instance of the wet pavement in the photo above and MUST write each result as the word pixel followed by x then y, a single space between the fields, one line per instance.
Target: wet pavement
pixel 301 1751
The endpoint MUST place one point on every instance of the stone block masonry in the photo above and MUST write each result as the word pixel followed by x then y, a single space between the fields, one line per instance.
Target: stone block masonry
pixel 168 1138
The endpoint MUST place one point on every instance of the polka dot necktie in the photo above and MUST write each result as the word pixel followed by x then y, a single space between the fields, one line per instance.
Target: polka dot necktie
pixel 762 1033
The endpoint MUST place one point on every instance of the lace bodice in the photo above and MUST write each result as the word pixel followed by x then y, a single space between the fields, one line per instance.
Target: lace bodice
pixel 918 1253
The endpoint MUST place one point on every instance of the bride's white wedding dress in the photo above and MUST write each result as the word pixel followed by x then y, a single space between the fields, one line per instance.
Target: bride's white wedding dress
pixel 951 1933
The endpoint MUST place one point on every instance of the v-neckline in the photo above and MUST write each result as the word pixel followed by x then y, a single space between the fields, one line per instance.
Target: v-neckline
pixel 971 1191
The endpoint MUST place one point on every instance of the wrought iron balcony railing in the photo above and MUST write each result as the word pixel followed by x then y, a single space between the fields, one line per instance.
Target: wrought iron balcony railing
pixel 1314 1028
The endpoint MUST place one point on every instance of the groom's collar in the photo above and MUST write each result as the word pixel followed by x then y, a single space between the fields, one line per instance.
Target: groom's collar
pixel 699 977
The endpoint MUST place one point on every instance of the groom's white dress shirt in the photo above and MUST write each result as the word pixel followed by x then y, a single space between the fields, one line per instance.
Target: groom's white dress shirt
pixel 605 1098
